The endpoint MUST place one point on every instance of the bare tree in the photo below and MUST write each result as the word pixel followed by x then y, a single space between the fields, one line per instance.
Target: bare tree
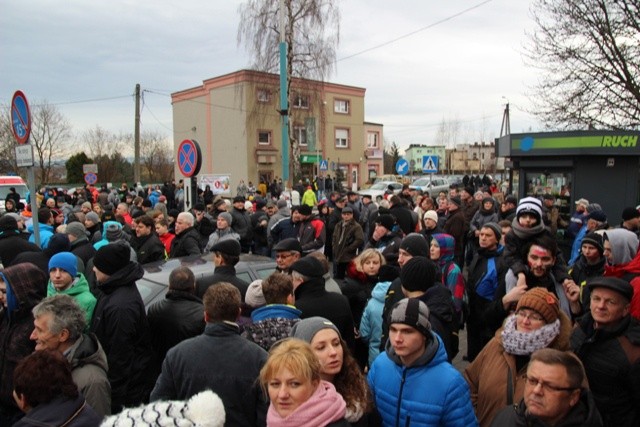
pixel 448 132
pixel 7 143
pixel 107 150
pixel 157 156
pixel 312 35
pixel 589 56
pixel 50 135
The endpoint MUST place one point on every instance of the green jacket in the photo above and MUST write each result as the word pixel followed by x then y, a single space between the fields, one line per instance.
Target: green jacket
pixel 80 292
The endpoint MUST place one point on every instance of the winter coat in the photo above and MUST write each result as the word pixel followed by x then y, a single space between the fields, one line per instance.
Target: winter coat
pixel 46 232
pixel 309 198
pixel 611 359
pixel 312 235
pixel 28 284
pixel 83 249
pixel 80 292
pixel 220 235
pixel 404 218
pixel 400 393
pixel 630 271
pixel 347 238
pixel 222 361
pixel 450 274
pixel 491 370
pixel 457 226
pixel 282 213
pixel 270 324
pixel 89 371
pixel 583 414
pixel 283 229
pixel 242 225
pixel 357 287
pixel 120 323
pixel 186 243
pixel 167 239
pixel 470 208
pixel 442 317
pixel 12 243
pixel 482 217
pixel 223 273
pixel 312 299
pixel 388 246
pixel 148 248
pixel 179 316
pixel 581 271
pixel 371 322
pixel 61 412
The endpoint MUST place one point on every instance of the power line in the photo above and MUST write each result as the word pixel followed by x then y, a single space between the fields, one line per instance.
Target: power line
pixel 449 18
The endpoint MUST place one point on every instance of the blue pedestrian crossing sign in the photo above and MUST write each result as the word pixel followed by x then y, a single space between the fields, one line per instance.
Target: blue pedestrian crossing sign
pixel 324 165
pixel 402 167
pixel 430 164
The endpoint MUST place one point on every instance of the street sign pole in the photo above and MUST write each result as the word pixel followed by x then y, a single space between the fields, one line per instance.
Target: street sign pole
pixel 21 127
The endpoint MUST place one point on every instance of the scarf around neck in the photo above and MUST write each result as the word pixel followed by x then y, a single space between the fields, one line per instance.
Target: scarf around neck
pixel 323 407
pixel 525 343
pixel 525 233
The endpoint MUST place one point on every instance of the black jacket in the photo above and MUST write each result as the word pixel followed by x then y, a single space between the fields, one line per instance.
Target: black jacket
pixel 83 249
pixel 12 243
pixel 120 323
pixel 174 319
pixel 61 412
pixel 442 317
pixel 312 299
pixel 242 226
pixel 222 273
pixel 148 248
pixel 611 359
pixel 186 243
pixel 584 414
pixel 404 219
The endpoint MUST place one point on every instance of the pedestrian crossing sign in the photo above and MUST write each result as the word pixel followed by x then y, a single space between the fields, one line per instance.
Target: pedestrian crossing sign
pixel 324 165
pixel 430 164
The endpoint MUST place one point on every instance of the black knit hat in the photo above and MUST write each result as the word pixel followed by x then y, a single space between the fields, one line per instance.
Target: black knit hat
pixel 386 220
pixel 309 267
pixel 303 210
pixel 415 244
pixel 456 200
pixel 7 223
pixel 596 240
pixel 112 257
pixel 418 274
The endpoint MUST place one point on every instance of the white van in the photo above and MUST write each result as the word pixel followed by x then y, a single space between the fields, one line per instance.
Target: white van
pixel 7 182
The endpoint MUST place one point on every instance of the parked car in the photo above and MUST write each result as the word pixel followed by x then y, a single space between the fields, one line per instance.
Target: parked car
pixel 154 284
pixel 433 185
pixel 377 190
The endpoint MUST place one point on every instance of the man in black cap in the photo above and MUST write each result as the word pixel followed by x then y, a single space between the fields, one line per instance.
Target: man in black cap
pixel 287 252
pixel 226 254
pixel 120 323
pixel 607 341
pixel 631 220
pixel 312 232
pixel 401 211
pixel 312 299
pixel 242 224
pixel 508 208
pixel 348 237
pixel 385 238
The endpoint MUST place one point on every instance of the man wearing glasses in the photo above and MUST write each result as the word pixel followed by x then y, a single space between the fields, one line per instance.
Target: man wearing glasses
pixel 287 252
pixel 607 341
pixel 553 394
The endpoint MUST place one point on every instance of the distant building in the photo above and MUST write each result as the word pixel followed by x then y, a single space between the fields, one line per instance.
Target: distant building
pixel 416 153
pixel 474 158
pixel 236 120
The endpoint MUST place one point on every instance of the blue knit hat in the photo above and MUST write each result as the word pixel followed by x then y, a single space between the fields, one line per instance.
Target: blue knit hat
pixel 66 261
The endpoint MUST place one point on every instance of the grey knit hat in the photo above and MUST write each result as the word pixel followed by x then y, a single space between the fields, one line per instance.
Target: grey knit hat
pixel 227 217
pixel 412 312
pixel 93 217
pixel 76 229
pixel 307 328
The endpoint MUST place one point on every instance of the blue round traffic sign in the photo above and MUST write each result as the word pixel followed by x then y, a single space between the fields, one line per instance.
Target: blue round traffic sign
pixel 20 117
pixel 402 167
pixel 189 158
pixel 90 178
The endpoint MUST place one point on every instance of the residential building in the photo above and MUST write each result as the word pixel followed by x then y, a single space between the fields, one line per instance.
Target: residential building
pixel 416 153
pixel 236 120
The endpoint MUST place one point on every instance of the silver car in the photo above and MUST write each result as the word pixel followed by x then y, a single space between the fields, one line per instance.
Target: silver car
pixel 433 185
pixel 377 190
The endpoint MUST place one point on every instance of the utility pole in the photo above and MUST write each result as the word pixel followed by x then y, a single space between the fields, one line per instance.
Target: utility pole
pixel 284 101
pixel 136 138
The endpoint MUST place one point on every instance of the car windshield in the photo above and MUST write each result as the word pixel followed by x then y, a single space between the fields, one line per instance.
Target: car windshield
pixel 379 186
pixel 421 181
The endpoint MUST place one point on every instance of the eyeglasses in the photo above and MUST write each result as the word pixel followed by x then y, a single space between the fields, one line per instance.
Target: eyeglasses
pixel 534 382
pixel 283 255
pixel 533 317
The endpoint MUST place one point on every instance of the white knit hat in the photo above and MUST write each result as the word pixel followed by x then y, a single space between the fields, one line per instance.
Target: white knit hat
pixel 204 409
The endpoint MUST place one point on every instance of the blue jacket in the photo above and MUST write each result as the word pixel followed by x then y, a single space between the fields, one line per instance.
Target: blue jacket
pixel 371 322
pixel 429 393
pixel 46 231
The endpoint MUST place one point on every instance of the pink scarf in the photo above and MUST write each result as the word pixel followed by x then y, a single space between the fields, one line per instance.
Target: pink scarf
pixel 323 407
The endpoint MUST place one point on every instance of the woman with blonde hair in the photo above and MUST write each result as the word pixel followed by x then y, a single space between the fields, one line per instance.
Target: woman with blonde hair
pixel 298 395
pixel 337 365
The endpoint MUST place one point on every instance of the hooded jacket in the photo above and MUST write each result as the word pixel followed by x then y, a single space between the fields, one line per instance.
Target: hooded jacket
pixel 312 234
pixel 491 370
pixel 611 359
pixel 26 286
pixel 583 414
pixel 626 263
pixel 450 273
pixel 89 370
pixel 400 396
pixel 80 292
pixel 371 323
pixel 120 323
pixel 46 232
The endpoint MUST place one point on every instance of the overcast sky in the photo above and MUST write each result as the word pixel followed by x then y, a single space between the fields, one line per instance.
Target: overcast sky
pixel 87 56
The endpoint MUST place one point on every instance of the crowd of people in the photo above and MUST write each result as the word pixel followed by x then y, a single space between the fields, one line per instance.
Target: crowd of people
pixel 357 326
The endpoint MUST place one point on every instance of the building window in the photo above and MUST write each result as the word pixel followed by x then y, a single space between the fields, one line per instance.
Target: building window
pixel 264 137
pixel 341 106
pixel 300 135
pixel 342 138
pixel 264 95
pixel 372 139
pixel 300 101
